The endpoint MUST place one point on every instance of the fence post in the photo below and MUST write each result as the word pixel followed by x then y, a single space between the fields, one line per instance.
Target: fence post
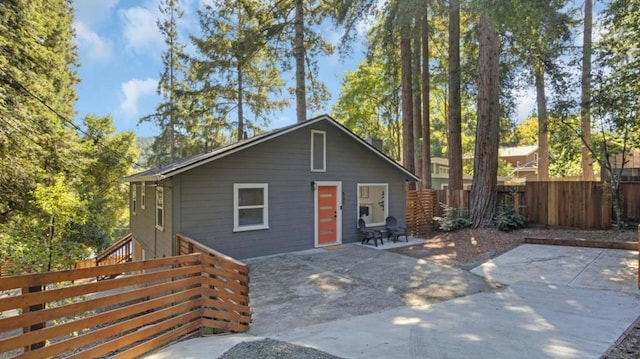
pixel 33 308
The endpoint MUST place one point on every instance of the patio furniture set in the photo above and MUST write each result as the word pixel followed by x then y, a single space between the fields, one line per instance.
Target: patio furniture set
pixel 392 231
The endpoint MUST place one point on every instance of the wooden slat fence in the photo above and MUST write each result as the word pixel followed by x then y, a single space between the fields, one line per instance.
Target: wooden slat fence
pixel 156 302
pixel 631 200
pixel 421 208
pixel 582 204
pixel 226 287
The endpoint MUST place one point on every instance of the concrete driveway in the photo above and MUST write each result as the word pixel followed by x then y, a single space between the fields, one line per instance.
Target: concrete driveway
pixel 358 302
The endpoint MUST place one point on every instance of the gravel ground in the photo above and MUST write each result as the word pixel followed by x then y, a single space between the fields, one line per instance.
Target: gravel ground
pixel 274 349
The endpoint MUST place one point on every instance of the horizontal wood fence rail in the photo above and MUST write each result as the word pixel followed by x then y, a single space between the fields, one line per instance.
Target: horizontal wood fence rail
pixel 421 207
pixel 226 287
pixel 157 301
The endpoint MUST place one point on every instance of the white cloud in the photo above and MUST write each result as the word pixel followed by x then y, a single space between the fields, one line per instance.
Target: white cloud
pixel 140 30
pixel 133 90
pixel 526 104
pixel 96 48
pixel 91 12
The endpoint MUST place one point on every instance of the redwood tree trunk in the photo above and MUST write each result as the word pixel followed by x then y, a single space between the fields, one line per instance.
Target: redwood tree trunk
pixel 585 100
pixel 454 121
pixel 426 120
pixel 407 100
pixel 485 165
pixel 543 138
pixel 417 108
pixel 299 51
pixel 240 106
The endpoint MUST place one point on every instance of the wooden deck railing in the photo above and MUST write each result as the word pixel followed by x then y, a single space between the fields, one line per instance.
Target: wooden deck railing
pixel 157 302
pixel 119 252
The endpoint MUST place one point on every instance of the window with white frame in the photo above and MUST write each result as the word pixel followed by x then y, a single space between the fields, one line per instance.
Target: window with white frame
pixel 160 208
pixel 134 198
pixel 318 151
pixel 373 203
pixel 143 196
pixel 250 206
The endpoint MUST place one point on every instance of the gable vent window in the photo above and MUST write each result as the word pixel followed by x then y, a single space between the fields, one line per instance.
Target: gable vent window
pixel 250 206
pixel 134 198
pixel 143 197
pixel 160 208
pixel 318 151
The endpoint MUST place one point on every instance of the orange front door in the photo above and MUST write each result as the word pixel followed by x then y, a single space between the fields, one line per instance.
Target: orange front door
pixel 327 220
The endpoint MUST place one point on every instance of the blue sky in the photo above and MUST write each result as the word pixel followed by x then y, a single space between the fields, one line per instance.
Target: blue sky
pixel 120 47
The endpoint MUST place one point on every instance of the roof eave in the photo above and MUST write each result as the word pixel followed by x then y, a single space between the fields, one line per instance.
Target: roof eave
pixel 146 178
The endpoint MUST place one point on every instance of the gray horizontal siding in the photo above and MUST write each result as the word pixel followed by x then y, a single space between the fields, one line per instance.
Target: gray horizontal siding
pixel 155 243
pixel 206 192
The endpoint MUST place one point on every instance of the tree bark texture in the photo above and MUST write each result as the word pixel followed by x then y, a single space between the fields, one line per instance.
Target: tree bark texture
pixel 407 100
pixel 454 111
pixel 301 92
pixel 417 98
pixel 543 137
pixel 485 165
pixel 240 106
pixel 585 98
pixel 426 100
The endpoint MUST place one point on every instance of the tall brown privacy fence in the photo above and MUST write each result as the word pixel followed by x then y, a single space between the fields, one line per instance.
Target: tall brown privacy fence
pixel 581 204
pixel 568 204
pixel 152 303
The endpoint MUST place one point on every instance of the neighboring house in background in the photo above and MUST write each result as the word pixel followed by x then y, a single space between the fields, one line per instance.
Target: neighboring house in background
pixel 631 170
pixel 299 187
pixel 523 159
pixel 440 174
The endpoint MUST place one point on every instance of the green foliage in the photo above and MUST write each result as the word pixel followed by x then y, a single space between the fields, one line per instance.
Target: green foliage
pixel 454 218
pixel 236 65
pixel 369 103
pixel 507 218
pixel 73 215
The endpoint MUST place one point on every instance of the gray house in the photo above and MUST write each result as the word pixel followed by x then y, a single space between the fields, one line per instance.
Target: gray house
pixel 299 187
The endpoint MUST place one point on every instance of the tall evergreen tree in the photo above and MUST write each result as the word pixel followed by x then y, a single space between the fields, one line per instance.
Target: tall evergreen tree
pixel 483 195
pixel 171 113
pixel 236 68
pixel 585 95
pixel 426 101
pixel 37 95
pixel 454 111
pixel 46 198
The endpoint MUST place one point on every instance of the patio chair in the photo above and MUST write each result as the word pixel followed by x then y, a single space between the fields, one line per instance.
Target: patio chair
pixel 395 231
pixel 368 234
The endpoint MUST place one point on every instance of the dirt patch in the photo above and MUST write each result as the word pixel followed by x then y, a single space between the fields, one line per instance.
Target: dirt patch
pixel 468 248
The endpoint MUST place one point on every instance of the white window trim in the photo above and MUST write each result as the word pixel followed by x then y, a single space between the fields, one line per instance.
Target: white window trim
pixel 160 207
pixel 264 206
pixel 386 202
pixel 324 149
pixel 134 199
pixel 143 196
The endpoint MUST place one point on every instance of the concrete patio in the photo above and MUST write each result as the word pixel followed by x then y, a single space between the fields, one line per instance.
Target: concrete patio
pixel 353 301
